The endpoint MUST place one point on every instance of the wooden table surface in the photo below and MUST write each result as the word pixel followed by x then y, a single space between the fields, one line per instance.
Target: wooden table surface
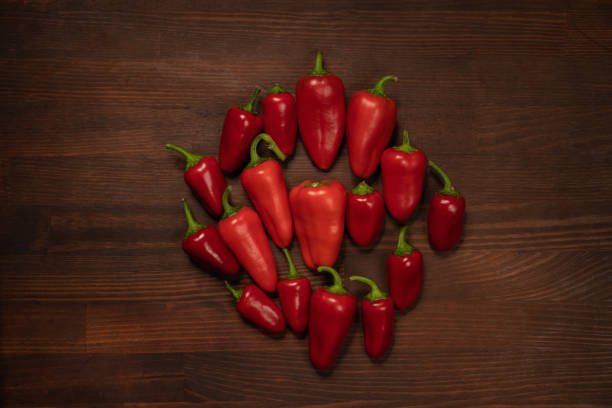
pixel 100 307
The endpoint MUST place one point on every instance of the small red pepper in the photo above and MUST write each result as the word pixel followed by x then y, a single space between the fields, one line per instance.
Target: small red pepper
pixel 241 229
pixel 254 305
pixel 403 171
pixel 365 212
pixel 370 120
pixel 332 310
pixel 264 183
pixel 294 294
pixel 204 177
pixel 445 217
pixel 280 118
pixel 405 272
pixel 321 113
pixel 240 127
pixel 377 319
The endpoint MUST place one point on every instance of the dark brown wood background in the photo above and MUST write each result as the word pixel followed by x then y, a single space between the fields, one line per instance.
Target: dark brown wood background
pixel 100 306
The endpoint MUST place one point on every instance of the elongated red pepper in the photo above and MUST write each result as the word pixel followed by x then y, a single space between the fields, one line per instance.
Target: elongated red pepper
pixel 405 272
pixel 241 230
pixel 318 212
pixel 445 217
pixel 365 214
pixel 332 310
pixel 377 319
pixel 240 127
pixel 294 294
pixel 204 177
pixel 264 183
pixel 370 120
pixel 321 113
pixel 280 118
pixel 254 305
pixel 403 171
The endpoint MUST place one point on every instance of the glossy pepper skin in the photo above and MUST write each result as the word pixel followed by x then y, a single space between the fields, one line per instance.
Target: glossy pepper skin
pixel 403 171
pixel 264 183
pixel 318 213
pixel 280 118
pixel 254 305
pixel 332 310
pixel 405 272
pixel 204 245
pixel 204 177
pixel 240 127
pixel 377 319
pixel 294 294
pixel 321 113
pixel 370 120
pixel 241 230
pixel 365 212
pixel 445 217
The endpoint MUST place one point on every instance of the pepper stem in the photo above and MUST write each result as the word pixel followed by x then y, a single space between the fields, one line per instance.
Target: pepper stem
pixel 228 209
pixel 318 69
pixel 192 159
pixel 276 89
pixel 293 273
pixel 250 107
pixel 403 247
pixel 192 225
pixel 375 292
pixel 405 146
pixel 363 188
pixel 448 188
pixel 317 184
pixel 270 144
pixel 379 88
pixel 236 293
pixel 337 287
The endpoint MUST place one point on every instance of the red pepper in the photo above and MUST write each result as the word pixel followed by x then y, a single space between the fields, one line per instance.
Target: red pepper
pixel 264 183
pixel 405 272
pixel 294 294
pixel 204 245
pixel 365 212
pixel 256 306
pixel 240 127
pixel 403 170
pixel 377 318
pixel 204 177
pixel 241 229
pixel 280 118
pixel 332 310
pixel 318 212
pixel 445 218
pixel 321 113
pixel 370 121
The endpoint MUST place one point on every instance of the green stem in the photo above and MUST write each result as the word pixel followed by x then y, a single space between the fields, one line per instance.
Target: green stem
pixel 405 146
pixel 318 69
pixel 448 188
pixel 228 209
pixel 317 184
pixel 337 287
pixel 236 293
pixel 276 89
pixel 270 144
pixel 375 292
pixel 192 225
pixel 379 88
pixel 250 107
pixel 192 159
pixel 293 273
pixel 403 247
pixel 363 188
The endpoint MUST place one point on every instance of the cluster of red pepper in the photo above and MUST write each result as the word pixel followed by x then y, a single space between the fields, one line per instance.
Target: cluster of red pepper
pixel 240 239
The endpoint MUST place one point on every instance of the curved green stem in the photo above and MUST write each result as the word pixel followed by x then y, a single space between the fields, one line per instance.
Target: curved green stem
pixel 403 247
pixel 293 273
pixel 236 293
pixel 375 292
pixel 379 88
pixel 405 146
pixel 192 225
pixel 318 69
pixel 192 159
pixel 270 144
pixel 363 188
pixel 337 287
pixel 250 107
pixel 228 209
pixel 448 188
pixel 276 89
pixel 317 184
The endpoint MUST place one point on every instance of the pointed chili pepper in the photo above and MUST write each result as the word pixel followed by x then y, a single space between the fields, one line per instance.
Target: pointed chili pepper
pixel 403 171
pixel 445 218
pixel 332 310
pixel 294 294
pixel 240 127
pixel 318 212
pixel 241 230
pixel 377 318
pixel 405 272
pixel 280 118
pixel 370 120
pixel 321 113
pixel 365 212
pixel 264 183
pixel 254 305
pixel 204 177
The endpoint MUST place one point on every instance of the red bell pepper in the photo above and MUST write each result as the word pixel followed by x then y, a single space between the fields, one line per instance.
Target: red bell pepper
pixel 370 120
pixel 294 294
pixel 264 183
pixel 405 272
pixel 365 212
pixel 240 127
pixel 321 113
pixel 204 177
pixel 332 310
pixel 241 229
pixel 377 318
pixel 445 217
pixel 280 118
pixel 318 212
pixel 254 305
pixel 403 171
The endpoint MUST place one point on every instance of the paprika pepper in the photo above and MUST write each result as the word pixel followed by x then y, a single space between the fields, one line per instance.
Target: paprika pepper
pixel 294 294
pixel 405 272
pixel 365 212
pixel 280 118
pixel 254 305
